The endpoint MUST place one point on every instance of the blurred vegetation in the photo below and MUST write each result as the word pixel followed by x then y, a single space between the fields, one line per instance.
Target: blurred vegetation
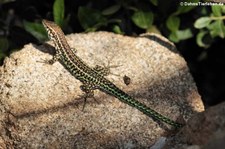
pixel 195 30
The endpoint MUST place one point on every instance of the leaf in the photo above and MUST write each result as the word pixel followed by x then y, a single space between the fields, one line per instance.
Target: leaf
pixel 111 10
pixel 154 2
pixel 116 29
pixel 91 29
pixel 204 11
pixel 142 19
pixel 217 29
pixel 178 35
pixel 154 29
pixel 173 37
pixel 223 9
pixel 173 23
pixel 4 44
pixel 36 29
pixel 184 9
pixel 199 39
pixel 58 12
pixel 184 34
pixel 202 22
pixel 90 19
pixel 217 10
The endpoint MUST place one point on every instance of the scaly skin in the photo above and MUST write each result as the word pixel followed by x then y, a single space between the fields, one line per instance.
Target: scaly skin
pixel 93 78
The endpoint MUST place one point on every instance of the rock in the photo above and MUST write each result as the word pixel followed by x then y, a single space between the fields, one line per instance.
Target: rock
pixel 41 105
pixel 206 130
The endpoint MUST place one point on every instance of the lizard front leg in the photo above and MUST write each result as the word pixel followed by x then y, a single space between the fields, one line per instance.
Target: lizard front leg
pixel 88 90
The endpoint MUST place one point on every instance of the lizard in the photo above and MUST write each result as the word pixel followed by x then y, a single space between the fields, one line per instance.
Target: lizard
pixel 93 78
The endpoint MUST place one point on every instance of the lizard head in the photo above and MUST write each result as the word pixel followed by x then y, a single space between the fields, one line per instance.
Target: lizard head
pixel 51 28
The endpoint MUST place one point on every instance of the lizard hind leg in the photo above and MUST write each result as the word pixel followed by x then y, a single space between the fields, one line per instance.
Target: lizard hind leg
pixel 105 69
pixel 88 90
pixel 102 70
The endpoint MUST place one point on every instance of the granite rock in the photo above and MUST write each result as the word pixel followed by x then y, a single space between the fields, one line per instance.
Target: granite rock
pixel 41 104
pixel 205 130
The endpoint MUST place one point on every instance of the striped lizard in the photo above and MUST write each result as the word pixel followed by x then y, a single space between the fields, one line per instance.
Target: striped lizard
pixel 92 78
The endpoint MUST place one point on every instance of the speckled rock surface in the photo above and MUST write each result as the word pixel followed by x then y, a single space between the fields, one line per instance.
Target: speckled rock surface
pixel 41 106
pixel 205 130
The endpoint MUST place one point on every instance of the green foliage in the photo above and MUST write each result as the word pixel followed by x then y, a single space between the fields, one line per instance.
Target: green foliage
pixel 145 16
pixel 199 38
pixel 216 29
pixel 111 10
pixel 142 19
pixel 202 22
pixel 58 12
pixel 185 9
pixel 36 29
pixel 154 2
pixel 211 25
pixel 178 35
pixel 93 19
pixel 173 23
pixel 217 11
pixel 171 19
pixel 3 47
pixel 116 29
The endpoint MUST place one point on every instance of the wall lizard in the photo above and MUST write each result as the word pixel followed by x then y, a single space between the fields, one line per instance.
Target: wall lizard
pixel 92 78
